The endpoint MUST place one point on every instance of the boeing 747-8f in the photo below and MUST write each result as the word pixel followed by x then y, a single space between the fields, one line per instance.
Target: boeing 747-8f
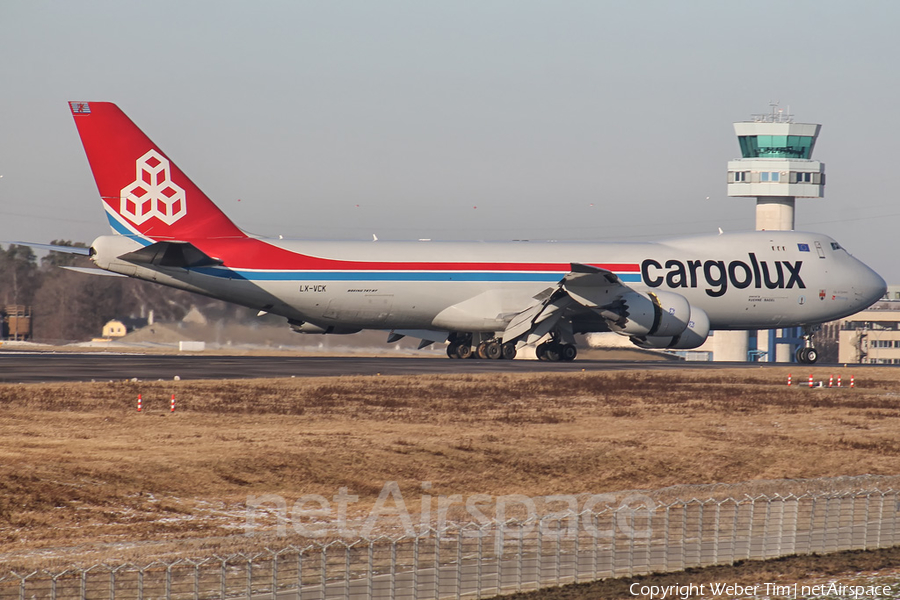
pixel 486 299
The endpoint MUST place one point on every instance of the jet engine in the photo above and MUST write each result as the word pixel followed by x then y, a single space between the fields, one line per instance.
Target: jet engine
pixel 693 335
pixel 659 314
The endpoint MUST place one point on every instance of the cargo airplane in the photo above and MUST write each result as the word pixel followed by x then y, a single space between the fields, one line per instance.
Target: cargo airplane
pixel 485 299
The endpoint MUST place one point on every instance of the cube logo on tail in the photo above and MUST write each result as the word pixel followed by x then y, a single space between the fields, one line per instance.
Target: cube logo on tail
pixel 152 193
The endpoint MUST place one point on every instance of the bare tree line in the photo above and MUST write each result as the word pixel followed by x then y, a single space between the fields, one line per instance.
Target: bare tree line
pixel 70 306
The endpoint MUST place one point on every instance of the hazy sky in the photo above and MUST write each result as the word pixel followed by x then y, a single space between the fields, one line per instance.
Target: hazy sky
pixel 456 120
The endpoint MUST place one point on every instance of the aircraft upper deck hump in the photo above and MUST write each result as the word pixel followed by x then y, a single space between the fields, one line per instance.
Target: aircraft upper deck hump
pixel 145 195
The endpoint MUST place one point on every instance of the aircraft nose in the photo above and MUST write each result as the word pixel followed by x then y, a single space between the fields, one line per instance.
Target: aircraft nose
pixel 869 288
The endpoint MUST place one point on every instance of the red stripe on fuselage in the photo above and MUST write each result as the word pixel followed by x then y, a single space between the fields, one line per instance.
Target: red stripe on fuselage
pixel 249 253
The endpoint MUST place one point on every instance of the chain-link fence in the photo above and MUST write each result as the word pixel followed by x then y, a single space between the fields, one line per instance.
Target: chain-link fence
pixel 478 560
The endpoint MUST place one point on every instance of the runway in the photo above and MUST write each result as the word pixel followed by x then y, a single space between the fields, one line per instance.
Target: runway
pixel 22 367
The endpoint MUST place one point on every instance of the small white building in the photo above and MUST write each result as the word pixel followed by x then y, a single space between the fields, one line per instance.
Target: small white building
pixel 114 329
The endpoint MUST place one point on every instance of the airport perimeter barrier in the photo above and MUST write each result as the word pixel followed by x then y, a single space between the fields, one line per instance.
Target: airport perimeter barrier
pixel 482 560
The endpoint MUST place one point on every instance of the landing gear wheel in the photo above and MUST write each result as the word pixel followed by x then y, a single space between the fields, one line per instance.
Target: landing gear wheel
pixel 551 352
pixel 508 351
pixel 807 355
pixel 492 350
pixel 481 350
pixel 567 352
pixel 464 351
pixel 452 350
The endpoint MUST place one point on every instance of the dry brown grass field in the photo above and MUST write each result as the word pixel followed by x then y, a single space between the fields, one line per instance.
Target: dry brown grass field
pixel 85 477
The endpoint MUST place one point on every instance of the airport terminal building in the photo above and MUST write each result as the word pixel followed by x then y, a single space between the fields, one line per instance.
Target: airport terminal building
pixel 872 336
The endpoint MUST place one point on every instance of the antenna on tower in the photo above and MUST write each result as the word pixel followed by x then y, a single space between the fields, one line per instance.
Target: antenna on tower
pixel 775 115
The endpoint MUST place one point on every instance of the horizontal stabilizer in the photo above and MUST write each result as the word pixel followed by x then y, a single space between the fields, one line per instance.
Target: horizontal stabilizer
pixel 171 254
pixel 54 248
pixel 93 271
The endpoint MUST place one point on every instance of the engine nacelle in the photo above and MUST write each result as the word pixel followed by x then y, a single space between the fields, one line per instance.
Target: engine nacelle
pixel 692 337
pixel 312 328
pixel 660 314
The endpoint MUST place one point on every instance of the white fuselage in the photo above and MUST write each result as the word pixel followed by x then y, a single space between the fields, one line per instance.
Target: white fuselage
pixel 743 281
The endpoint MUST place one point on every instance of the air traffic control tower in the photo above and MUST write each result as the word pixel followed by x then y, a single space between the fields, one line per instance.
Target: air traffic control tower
pixel 776 168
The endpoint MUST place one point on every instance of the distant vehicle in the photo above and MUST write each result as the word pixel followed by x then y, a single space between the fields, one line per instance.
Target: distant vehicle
pixel 485 299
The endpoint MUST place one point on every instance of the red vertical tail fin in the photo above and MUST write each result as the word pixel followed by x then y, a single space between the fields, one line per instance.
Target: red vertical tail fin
pixel 144 193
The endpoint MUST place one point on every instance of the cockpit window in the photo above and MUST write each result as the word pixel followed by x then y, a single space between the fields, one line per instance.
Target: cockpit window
pixel 835 246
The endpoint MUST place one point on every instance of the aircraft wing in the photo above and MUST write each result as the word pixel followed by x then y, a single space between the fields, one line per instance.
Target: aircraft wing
pixel 592 287
pixel 426 336
pixel 591 274
pixel 585 285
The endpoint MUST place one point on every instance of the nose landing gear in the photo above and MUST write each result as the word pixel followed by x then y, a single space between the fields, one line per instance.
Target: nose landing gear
pixel 807 354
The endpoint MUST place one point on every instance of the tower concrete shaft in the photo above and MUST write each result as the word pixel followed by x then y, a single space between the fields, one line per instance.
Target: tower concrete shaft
pixel 775 213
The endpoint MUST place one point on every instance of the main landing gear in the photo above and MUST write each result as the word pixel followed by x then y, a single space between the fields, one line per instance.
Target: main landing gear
pixel 467 345
pixel 461 347
pixel 556 351
pixel 807 354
